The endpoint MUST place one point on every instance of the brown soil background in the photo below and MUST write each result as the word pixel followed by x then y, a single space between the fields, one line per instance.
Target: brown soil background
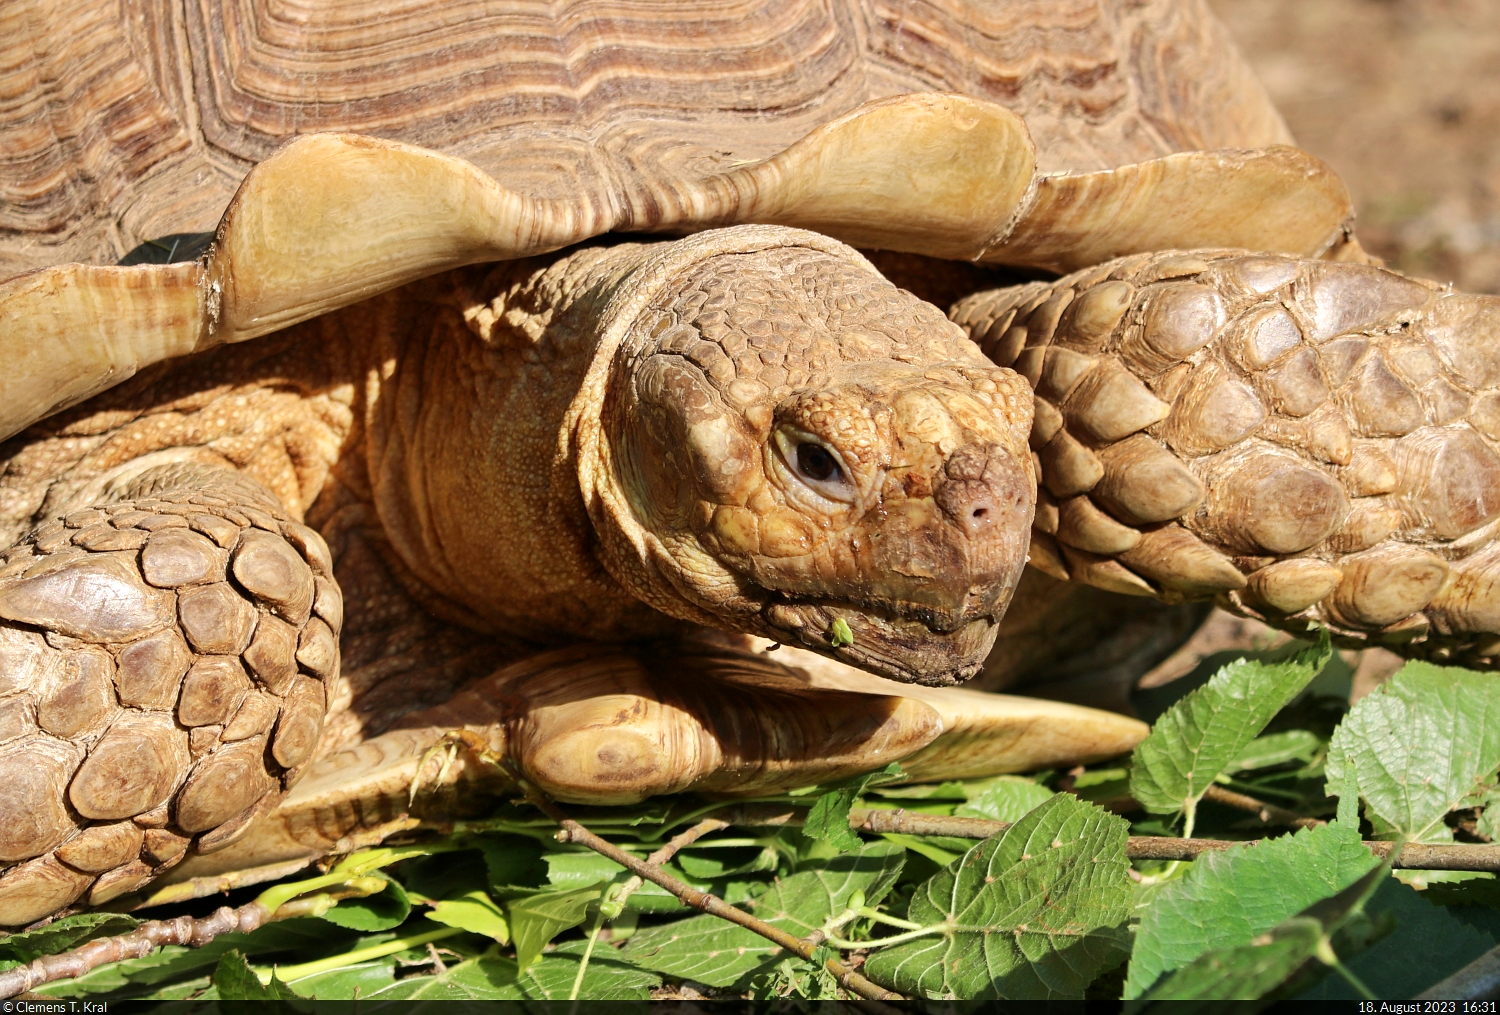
pixel 1402 98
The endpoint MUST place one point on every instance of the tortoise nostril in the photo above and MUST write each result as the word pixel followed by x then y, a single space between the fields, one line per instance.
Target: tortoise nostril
pixel 981 518
pixel 985 492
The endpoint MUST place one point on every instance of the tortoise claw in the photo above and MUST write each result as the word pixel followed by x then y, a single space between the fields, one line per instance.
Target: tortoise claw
pixel 448 747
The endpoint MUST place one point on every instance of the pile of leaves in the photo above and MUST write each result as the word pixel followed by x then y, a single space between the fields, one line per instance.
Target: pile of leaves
pixel 1051 906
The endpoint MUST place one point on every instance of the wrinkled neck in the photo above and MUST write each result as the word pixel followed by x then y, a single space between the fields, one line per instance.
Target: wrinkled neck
pixel 472 452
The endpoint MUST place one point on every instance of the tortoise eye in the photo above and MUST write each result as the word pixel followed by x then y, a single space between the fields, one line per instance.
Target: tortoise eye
pixel 809 468
pixel 814 462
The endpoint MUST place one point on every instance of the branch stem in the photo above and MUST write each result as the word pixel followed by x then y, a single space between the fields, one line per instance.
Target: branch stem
pixel 288 974
pixel 572 831
pixel 680 841
pixel 145 939
pixel 588 953
pixel 183 930
pixel 1268 813
pixel 885 942
pixel 1330 958
pixel 1462 856
pixel 888 920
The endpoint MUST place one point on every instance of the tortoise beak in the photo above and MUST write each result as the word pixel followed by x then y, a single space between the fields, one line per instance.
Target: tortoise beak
pixel 885 643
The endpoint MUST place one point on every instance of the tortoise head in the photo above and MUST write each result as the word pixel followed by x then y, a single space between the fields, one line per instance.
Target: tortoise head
pixel 800 450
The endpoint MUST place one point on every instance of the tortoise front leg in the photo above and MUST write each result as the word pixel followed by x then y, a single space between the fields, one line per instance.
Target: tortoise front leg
pixel 164 657
pixel 1302 441
pixel 596 724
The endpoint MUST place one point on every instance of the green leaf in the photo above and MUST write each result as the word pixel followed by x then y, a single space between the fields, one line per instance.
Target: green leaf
pixel 446 875
pixel 1276 749
pixel 367 861
pixel 1205 731
pixel 923 845
pixel 1482 896
pixel 722 863
pixel 491 978
pixel 177 991
pixel 1227 898
pixel 234 980
pixel 1005 800
pixel 1428 944
pixel 474 912
pixel 306 938
pixel 1418 746
pixel 512 860
pixel 606 978
pixel 166 249
pixel 579 870
pixel 115 976
pixel 487 978
pixel 1035 912
pixel 829 817
pixel 713 951
pixel 537 919
pixel 793 978
pixel 381 911
pixel 1348 796
pixel 348 983
pixel 1243 973
pixel 1269 961
pixel 1488 824
pixel 1102 784
pixel 69 932
pixel 734 891
pixel 350 868
pixel 925 791
pixel 652 898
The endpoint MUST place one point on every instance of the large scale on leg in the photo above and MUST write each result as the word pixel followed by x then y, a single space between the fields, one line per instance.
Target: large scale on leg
pixel 1306 442
pixel 168 653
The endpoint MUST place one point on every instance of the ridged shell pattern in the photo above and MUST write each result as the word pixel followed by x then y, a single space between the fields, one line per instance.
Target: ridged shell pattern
pixel 1304 441
pixel 124 120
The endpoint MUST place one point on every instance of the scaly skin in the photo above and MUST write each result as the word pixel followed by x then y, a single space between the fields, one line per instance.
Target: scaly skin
pixel 166 656
pixel 743 363
pixel 1302 441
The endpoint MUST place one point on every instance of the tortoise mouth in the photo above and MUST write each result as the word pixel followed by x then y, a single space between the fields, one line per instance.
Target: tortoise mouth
pixel 882 640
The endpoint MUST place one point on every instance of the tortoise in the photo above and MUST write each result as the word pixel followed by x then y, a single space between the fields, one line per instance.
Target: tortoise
pixel 716 507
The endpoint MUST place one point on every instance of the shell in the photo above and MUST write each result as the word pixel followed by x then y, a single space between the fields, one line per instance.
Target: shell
pixel 548 98
pixel 531 154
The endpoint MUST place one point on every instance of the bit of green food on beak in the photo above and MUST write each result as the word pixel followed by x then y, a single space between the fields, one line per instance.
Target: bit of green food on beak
pixel 840 634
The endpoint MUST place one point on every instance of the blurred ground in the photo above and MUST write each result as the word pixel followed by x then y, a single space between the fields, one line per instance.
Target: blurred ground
pixel 1402 97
